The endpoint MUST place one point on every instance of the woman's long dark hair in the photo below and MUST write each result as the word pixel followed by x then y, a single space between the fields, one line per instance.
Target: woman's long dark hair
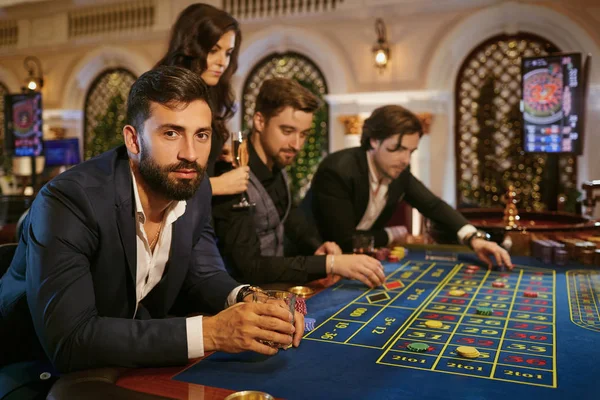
pixel 198 28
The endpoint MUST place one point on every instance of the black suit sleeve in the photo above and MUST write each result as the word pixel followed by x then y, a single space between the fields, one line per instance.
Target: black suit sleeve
pixel 302 232
pixel 240 247
pixel 334 211
pixel 63 236
pixel 207 283
pixel 431 206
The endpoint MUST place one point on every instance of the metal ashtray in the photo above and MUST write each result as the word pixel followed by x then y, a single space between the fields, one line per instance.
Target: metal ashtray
pixel 249 395
pixel 302 291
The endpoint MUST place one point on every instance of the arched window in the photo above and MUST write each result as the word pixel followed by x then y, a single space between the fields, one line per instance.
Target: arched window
pixel 105 111
pixel 489 151
pixel 298 67
pixel 5 162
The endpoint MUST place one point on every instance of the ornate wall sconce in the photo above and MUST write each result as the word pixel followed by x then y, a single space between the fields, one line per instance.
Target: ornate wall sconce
pixel 35 78
pixel 381 50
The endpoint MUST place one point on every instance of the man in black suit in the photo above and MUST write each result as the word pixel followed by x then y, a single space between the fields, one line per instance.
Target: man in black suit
pixel 252 240
pixel 115 246
pixel 356 190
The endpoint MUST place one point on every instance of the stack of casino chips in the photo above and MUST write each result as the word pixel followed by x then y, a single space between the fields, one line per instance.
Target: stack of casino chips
pixel 550 251
pixel 484 310
pixel 587 252
pixel 418 347
pixel 468 352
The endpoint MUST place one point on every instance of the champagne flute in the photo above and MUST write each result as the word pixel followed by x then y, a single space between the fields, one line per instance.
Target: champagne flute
pixel 239 152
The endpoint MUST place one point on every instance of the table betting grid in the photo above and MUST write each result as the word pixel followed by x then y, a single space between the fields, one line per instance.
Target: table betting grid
pixel 583 288
pixel 530 347
pixel 517 342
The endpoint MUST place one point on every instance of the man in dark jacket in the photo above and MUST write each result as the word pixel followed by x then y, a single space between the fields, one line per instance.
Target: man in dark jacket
pixel 116 245
pixel 356 190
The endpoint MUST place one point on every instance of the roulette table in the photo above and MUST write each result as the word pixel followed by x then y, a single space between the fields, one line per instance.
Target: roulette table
pixel 530 346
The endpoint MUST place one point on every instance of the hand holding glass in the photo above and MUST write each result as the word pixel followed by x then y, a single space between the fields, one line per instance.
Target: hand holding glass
pixel 281 298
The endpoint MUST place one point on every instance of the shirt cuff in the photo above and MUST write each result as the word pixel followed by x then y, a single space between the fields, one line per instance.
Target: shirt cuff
pixel 395 233
pixel 389 234
pixel 195 339
pixel 231 299
pixel 464 232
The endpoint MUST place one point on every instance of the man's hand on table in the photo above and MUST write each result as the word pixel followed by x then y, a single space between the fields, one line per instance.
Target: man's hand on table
pixel 484 249
pixel 359 267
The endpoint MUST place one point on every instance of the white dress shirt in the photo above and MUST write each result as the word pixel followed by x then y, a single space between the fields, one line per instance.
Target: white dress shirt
pixel 151 265
pixel 378 191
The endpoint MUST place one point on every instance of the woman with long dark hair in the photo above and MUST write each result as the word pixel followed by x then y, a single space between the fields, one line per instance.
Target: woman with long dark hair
pixel 207 40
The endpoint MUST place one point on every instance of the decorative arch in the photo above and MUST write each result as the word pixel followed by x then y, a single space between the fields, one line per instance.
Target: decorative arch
pixel 281 39
pixel 93 64
pixel 104 111
pixel 10 81
pixel 508 19
pixel 489 148
pixel 307 73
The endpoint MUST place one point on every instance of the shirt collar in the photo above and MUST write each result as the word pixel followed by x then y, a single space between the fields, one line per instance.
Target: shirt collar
pixel 373 179
pixel 257 166
pixel 175 210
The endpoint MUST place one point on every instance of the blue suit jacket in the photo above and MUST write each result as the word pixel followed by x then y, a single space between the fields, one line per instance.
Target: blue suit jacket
pixel 75 269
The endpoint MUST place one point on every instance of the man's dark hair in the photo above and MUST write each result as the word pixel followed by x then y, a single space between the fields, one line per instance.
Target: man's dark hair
pixel 388 121
pixel 278 93
pixel 171 87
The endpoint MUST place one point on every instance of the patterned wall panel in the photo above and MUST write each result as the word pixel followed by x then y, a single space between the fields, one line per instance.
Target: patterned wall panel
pixel 298 67
pixel 105 111
pixel 489 149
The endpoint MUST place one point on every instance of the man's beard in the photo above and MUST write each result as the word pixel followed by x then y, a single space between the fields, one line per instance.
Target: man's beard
pixel 157 178
pixel 282 162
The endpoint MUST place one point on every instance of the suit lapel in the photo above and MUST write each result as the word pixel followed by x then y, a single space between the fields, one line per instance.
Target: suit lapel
pixel 126 213
pixel 166 290
pixel 362 185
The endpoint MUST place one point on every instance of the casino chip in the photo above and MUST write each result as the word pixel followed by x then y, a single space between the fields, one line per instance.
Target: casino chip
pixel 530 293
pixel 393 258
pixel 484 310
pixel 434 324
pixel 309 324
pixel 498 284
pixel 457 293
pixel 300 305
pixel 473 267
pixel 467 351
pixel 418 347
pixel 470 271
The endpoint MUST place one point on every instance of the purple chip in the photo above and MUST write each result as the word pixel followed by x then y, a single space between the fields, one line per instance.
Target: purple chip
pixel 309 324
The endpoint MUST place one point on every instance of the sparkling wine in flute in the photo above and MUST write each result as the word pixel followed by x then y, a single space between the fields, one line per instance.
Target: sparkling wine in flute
pixel 240 159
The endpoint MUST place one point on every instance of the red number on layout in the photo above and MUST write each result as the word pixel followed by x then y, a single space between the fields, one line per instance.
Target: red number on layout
pixel 516 359
pixel 525 308
pixel 466 340
pixel 535 361
pixel 536 337
pixel 521 326
pixel 539 327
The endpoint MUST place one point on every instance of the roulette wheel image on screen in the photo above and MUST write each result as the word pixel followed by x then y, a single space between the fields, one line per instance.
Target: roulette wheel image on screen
pixel 542 95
